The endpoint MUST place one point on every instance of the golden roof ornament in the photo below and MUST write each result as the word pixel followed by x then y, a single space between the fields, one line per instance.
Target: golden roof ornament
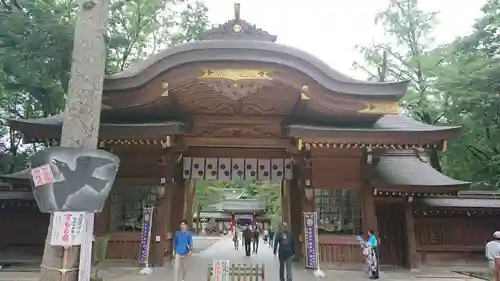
pixel 237 29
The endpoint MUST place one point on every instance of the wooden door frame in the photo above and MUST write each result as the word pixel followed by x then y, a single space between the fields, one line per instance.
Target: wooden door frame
pixel 403 237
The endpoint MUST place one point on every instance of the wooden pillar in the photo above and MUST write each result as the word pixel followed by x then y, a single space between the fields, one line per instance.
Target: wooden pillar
pixel 368 211
pixel 102 220
pixel 178 201
pixel 369 216
pixel 285 201
pixel 188 206
pixel 296 215
pixel 158 231
pixel 412 257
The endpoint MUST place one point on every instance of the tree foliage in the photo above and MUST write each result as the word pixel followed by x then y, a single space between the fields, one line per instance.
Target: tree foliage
pixel 36 41
pixel 452 84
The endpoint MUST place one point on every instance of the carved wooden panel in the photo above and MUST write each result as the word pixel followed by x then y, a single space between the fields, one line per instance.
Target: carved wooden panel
pixel 198 170
pixel 251 169
pixel 236 126
pixel 211 168
pixel 224 168
pixel 234 90
pixel 238 171
pixel 264 173
pixel 338 172
pixel 276 170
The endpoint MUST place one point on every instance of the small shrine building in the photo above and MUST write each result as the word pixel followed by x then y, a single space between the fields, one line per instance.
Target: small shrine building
pixel 235 210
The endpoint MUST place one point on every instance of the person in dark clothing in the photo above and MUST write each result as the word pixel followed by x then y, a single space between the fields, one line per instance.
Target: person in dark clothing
pixel 283 245
pixel 271 237
pixel 247 239
pixel 256 238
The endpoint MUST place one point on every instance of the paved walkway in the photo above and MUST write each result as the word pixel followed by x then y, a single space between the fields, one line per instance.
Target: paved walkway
pixel 222 249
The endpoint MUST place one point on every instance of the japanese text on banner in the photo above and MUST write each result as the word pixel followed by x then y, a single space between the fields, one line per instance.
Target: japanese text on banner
pixel 310 239
pixel 67 228
pixel 145 235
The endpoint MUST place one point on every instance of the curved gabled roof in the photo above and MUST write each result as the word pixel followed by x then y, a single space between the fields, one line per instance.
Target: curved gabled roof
pixel 250 51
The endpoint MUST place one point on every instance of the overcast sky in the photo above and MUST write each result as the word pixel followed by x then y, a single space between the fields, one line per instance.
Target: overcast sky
pixel 329 29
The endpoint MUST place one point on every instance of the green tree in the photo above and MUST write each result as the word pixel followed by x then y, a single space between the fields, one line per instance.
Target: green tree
pixel 139 28
pixel 408 55
pixel 270 193
pixel 469 76
pixel 35 52
pixel 206 193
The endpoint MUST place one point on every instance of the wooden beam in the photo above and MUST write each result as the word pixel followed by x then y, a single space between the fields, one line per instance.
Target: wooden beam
pixel 284 143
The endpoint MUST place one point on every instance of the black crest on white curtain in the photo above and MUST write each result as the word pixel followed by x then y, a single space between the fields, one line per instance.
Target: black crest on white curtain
pixel 72 179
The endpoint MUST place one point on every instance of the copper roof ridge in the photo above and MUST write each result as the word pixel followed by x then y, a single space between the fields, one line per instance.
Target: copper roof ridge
pixel 220 50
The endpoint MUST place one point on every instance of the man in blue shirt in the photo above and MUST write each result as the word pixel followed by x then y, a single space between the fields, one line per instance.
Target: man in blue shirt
pixel 182 248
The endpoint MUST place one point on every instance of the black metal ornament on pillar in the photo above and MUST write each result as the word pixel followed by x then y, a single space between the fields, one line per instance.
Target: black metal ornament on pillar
pixel 72 179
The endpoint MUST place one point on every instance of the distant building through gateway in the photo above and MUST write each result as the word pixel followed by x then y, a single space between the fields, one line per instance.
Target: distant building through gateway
pixel 235 210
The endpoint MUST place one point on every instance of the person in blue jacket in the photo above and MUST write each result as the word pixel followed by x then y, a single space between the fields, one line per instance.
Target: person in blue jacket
pixel 372 255
pixel 182 249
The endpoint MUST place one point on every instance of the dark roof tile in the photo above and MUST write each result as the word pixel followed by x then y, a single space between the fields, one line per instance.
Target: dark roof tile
pixel 401 168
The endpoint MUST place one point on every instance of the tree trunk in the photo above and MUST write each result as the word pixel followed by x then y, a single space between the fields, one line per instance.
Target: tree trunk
pixel 190 191
pixel 82 114
pixel 198 212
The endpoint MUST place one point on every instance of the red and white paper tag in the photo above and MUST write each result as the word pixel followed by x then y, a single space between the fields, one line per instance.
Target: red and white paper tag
pixel 42 175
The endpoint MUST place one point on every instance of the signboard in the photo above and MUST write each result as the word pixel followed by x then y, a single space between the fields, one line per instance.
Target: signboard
pixel 311 239
pixel 221 270
pixel 72 179
pixel 243 217
pixel 42 175
pixel 147 218
pixel 67 228
pixel 86 248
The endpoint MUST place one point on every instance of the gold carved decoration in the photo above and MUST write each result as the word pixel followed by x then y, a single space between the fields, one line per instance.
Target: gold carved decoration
pixel 236 74
pixel 164 85
pixel 237 132
pixel 380 107
pixel 234 91
pixel 303 93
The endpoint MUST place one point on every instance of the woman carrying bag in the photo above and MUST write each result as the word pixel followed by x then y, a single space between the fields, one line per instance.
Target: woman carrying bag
pixel 371 252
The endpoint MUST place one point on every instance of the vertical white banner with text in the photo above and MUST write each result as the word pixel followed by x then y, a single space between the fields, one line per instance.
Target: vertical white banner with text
pixel 86 248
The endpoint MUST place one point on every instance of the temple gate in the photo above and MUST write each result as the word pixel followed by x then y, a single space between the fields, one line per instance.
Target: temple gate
pixel 237 105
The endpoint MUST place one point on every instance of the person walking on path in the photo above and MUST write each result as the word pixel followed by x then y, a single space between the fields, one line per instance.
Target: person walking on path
pixel 247 239
pixel 372 255
pixel 493 251
pixel 256 238
pixel 271 237
pixel 235 239
pixel 266 235
pixel 182 246
pixel 283 246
